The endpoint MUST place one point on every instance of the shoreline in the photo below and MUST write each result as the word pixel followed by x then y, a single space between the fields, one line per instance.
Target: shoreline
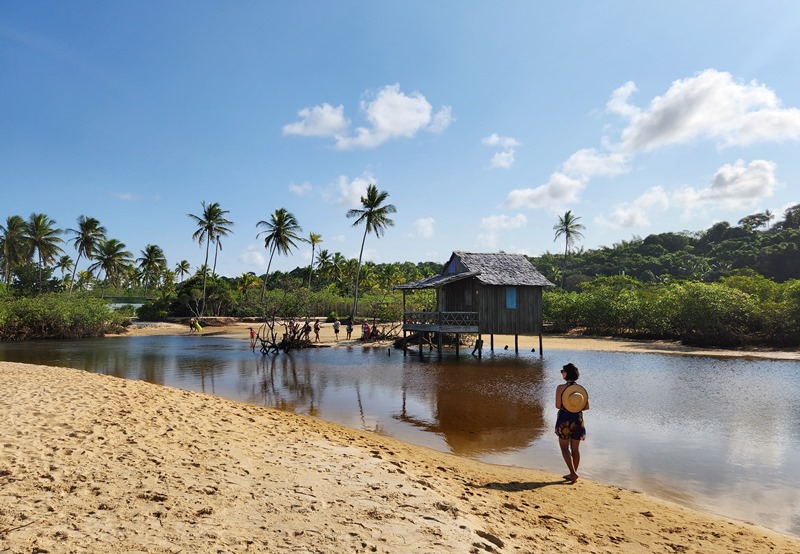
pixel 96 463
pixel 240 330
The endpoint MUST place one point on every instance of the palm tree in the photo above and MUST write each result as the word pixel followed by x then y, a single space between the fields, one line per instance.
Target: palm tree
pixel 151 263
pixel 376 217
pixel 113 260
pixel 324 263
pixel 337 265
pixel 13 245
pixel 182 269
pixel 314 239
pixel 88 236
pixel 570 229
pixel 63 263
pixel 43 239
pixel 282 230
pixel 210 226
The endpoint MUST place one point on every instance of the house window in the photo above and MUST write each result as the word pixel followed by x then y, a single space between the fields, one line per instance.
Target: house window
pixel 468 298
pixel 451 269
pixel 511 298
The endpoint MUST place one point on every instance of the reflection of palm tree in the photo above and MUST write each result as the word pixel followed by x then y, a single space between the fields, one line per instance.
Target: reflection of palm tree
pixel 88 236
pixel 43 238
pixel 375 215
pixel 314 239
pixel 570 229
pixel 281 232
pixel 182 269
pixel 13 245
pixel 113 260
pixel 151 263
pixel 210 226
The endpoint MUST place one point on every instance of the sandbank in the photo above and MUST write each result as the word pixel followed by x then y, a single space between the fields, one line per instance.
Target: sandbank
pixel 93 463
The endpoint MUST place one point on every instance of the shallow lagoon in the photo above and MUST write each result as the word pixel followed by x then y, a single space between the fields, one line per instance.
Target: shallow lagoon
pixel 722 435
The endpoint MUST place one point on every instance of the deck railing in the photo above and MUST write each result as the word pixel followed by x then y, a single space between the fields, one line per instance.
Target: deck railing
pixel 455 319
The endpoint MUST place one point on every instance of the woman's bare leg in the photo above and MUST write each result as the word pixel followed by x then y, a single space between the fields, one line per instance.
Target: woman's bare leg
pixel 575 446
pixel 568 459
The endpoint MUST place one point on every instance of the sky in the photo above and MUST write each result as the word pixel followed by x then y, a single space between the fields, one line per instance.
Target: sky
pixel 483 121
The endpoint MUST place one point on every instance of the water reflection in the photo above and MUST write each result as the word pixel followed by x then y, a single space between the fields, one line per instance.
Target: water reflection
pixel 721 435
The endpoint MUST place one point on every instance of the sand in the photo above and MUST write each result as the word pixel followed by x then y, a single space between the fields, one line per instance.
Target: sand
pixel 93 463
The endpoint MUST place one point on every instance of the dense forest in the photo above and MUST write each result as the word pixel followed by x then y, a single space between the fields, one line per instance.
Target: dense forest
pixel 728 285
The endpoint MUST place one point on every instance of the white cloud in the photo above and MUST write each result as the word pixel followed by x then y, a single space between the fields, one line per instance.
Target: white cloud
pixel 710 105
pixel 559 190
pixel 503 142
pixel 253 257
pixel 491 225
pixel 350 192
pixel 733 187
pixel 634 214
pixel 301 189
pixel 319 121
pixel 503 160
pixel 393 114
pixel 423 227
pixel 588 162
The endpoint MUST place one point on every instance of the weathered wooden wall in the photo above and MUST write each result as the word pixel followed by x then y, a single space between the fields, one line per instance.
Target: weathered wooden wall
pixel 490 302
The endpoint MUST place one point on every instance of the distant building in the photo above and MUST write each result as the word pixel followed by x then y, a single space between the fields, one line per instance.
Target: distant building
pixel 487 294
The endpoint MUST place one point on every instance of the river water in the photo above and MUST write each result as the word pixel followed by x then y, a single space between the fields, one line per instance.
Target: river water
pixel 721 435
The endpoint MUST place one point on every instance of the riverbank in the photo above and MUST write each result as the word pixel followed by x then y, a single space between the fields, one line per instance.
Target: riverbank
pixel 237 330
pixel 99 464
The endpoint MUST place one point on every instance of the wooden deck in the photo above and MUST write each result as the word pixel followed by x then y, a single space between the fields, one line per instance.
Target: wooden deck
pixel 441 322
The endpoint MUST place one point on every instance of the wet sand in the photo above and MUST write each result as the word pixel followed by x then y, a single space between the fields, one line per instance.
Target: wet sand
pixel 92 463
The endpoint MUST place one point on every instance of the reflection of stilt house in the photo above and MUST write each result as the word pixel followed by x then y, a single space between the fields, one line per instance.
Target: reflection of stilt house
pixel 494 294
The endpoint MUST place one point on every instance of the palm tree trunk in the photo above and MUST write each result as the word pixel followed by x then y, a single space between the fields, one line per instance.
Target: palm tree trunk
pixel 205 274
pixel 74 269
pixel 358 273
pixel 311 267
pixel 266 275
pixel 564 269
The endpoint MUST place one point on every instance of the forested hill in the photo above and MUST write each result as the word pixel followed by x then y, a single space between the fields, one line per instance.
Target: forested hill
pixel 753 245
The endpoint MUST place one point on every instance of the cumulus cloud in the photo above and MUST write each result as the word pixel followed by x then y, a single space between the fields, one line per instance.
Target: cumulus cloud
pixel 559 190
pixel 423 227
pixel 351 191
pixel 390 114
pixel 301 189
pixel 505 158
pixel 734 186
pixel 253 257
pixel 634 214
pixel 126 196
pixel 588 163
pixel 490 227
pixel 709 105
pixel 319 121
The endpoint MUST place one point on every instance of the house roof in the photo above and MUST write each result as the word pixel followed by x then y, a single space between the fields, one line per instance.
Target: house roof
pixel 490 269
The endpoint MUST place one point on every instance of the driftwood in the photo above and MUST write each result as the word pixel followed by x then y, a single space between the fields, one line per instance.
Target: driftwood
pixel 288 336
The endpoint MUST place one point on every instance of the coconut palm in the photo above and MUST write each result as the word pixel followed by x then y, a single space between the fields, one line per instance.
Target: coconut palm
pixel 64 263
pixel 324 263
pixel 111 259
pixel 210 226
pixel 338 262
pixel 13 245
pixel 281 232
pixel 313 239
pixel 151 264
pixel 43 240
pixel 88 236
pixel 182 269
pixel 570 229
pixel 375 215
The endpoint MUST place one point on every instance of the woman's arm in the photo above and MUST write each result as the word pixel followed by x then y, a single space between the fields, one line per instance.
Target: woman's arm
pixel 559 390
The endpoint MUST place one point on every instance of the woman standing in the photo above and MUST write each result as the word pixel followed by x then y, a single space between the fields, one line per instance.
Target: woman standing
pixel 571 400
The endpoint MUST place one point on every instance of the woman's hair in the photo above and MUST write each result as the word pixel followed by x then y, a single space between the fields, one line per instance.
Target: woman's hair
pixel 572 372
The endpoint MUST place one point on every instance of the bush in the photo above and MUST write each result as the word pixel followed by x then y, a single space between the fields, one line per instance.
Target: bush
pixel 57 316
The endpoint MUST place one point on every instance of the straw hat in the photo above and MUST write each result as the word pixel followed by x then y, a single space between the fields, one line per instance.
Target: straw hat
pixel 574 398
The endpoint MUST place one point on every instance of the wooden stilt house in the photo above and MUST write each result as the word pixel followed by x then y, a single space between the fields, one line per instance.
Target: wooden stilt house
pixel 483 294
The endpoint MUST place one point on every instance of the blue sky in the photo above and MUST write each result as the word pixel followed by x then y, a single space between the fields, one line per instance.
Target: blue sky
pixel 482 120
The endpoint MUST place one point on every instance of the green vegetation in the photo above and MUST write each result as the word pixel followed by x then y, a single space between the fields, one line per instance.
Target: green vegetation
pixel 726 286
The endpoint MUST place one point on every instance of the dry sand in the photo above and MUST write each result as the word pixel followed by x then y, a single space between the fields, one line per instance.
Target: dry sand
pixel 92 463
